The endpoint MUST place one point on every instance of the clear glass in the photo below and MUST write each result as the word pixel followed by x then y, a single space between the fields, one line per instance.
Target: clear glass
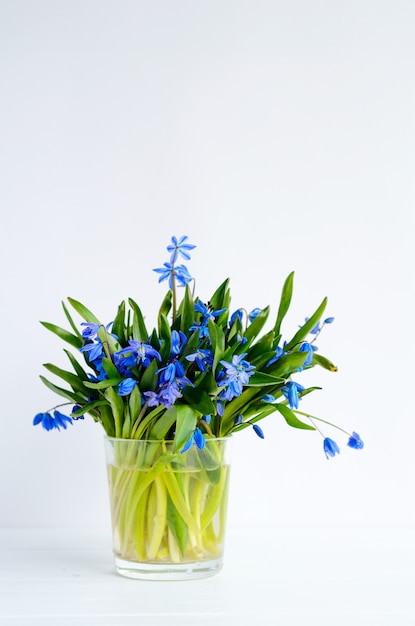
pixel 168 509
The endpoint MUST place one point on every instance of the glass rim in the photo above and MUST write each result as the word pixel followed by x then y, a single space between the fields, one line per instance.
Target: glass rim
pixel 166 441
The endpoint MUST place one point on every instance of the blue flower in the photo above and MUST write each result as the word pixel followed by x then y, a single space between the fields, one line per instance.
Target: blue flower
pixel 253 314
pixel 279 352
pixel 329 320
pixel 238 419
pixel 90 331
pixel 179 248
pixel 237 315
pixel 238 373
pixel 180 273
pixel 355 441
pixel 49 423
pixel 268 398
pixel 138 352
pixel 206 312
pixel 203 358
pixel 258 431
pixel 290 391
pixel 316 329
pixel 330 447
pixel 126 386
pixel 94 350
pixel 306 347
pixel 76 407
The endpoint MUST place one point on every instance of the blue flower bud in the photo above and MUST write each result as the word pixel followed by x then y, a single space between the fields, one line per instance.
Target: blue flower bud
pixel 258 431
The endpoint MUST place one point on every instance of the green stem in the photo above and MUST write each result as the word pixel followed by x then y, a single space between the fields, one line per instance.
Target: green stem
pixel 313 417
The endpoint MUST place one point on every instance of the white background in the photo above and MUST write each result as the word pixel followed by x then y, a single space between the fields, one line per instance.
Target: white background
pixel 278 136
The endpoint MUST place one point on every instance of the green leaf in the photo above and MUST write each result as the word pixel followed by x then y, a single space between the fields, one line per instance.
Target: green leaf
pixel 187 311
pixel 75 328
pixel 260 379
pixel 288 364
pixel 110 369
pixel 75 341
pixel 165 336
pixel 163 424
pixel 291 418
pixel 217 338
pixel 218 300
pixel 117 406
pixel 83 311
pixel 77 367
pixel 76 398
pixel 307 327
pixel 72 379
pixel 149 378
pixel 323 362
pixel 134 402
pixel 165 307
pixel 177 526
pixel 285 302
pixel 199 400
pixel 104 384
pixel 89 407
pixel 186 420
pixel 256 326
pixel 118 326
pixel 139 328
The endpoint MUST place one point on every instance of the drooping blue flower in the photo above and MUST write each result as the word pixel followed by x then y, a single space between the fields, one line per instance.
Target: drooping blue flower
pixel 152 398
pixel 330 447
pixel 203 358
pixel 306 347
pixel 179 247
pixel 267 397
pixel 254 314
pixel 169 393
pixel 329 320
pixel 290 391
pixel 207 419
pixel 75 408
pixel 238 373
pixel 258 431
pixel 126 386
pixel 316 329
pixel 238 419
pixel 58 421
pixel 355 441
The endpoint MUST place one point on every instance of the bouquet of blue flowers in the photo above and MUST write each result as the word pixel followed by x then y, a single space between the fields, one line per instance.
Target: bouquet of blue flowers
pixel 202 372
pixel 168 400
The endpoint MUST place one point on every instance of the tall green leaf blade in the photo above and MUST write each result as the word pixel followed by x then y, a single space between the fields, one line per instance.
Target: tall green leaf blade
pixel 72 379
pixel 177 525
pixel 74 327
pixel 85 313
pixel 81 373
pixel 291 418
pixel 218 299
pixel 307 327
pixel 118 326
pixel 75 341
pixel 324 362
pixel 187 312
pixel 76 398
pixel 199 400
pixel 117 406
pixel 149 378
pixel 139 328
pixel 186 420
pixel 285 302
pixel 163 424
pixel 256 326
pixel 165 336
pixel 260 379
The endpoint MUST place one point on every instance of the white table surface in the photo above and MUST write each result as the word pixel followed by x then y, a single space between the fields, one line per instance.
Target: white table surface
pixel 274 576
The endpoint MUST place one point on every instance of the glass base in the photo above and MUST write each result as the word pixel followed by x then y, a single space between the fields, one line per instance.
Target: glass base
pixel 168 571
